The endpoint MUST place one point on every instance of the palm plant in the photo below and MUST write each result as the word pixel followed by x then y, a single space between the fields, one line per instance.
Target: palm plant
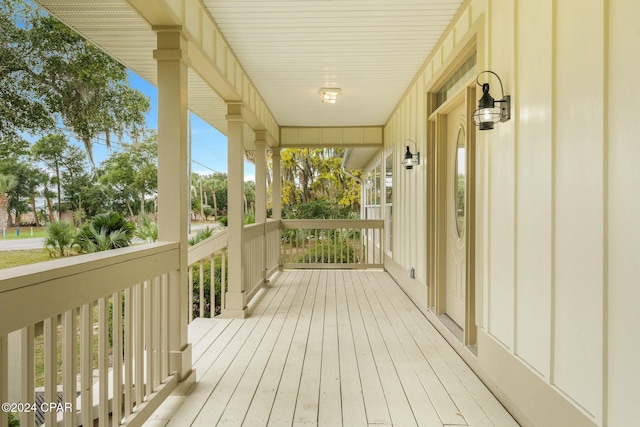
pixel 105 231
pixel 60 238
pixel 147 230
pixel 7 183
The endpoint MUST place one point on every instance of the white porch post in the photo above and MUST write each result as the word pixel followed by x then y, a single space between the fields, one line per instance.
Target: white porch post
pixel 236 304
pixel 276 190
pixel 261 176
pixel 172 61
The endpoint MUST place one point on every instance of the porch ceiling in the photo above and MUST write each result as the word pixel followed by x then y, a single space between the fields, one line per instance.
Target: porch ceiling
pixel 370 49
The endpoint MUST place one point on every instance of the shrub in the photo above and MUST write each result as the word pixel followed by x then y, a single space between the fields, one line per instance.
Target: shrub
pixel 105 231
pixel 330 251
pixel 147 230
pixel 201 235
pixel 207 287
pixel 223 220
pixel 250 218
pixel 60 238
pixel 13 421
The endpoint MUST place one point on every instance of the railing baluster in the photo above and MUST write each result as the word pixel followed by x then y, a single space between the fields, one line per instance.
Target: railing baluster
pixel 69 366
pixel 27 380
pixel 116 372
pixel 148 351
pixel 223 281
pixel 156 333
pixel 103 362
pixel 212 286
pixel 190 298
pixel 50 333
pixel 128 352
pixel 165 326
pixel 4 374
pixel 86 371
pixel 138 320
pixel 201 285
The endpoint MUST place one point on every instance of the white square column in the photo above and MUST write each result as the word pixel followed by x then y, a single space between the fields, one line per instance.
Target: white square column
pixel 235 300
pixel 261 176
pixel 173 200
pixel 276 189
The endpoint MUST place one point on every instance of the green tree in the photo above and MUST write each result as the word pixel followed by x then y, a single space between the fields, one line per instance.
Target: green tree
pixel 311 175
pixel 132 174
pixel 63 160
pixel 34 182
pixel 7 183
pixel 50 73
pixel 21 108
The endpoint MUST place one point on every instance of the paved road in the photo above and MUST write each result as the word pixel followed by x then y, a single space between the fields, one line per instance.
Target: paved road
pixel 38 243
pixel 21 244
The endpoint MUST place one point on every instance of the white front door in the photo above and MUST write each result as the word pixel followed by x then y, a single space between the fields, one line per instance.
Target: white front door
pixel 456 209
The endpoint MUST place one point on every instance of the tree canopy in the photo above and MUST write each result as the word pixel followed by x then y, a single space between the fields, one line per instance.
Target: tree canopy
pixel 50 75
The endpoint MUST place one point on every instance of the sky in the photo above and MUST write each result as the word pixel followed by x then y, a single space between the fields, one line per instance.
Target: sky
pixel 208 146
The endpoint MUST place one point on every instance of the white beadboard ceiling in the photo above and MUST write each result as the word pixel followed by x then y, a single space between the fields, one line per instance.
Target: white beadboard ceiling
pixel 370 49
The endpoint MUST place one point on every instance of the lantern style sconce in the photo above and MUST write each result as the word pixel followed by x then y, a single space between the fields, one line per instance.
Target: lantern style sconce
pixel 411 159
pixel 487 113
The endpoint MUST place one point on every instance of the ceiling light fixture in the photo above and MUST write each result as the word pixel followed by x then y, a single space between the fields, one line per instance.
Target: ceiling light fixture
pixel 487 113
pixel 329 95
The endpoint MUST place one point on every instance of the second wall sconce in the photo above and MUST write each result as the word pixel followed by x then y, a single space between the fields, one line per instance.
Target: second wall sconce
pixel 410 159
pixel 487 113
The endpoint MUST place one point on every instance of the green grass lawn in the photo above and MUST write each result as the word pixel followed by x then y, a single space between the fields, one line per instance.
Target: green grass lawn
pixel 25 233
pixel 16 258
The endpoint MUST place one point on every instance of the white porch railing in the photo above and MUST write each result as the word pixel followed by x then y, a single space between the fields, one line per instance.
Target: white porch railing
pixel 332 243
pixel 208 265
pixel 110 312
pixel 208 260
pixel 260 246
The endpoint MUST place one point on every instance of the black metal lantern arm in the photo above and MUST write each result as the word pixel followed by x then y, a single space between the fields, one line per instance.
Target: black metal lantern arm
pixel 483 84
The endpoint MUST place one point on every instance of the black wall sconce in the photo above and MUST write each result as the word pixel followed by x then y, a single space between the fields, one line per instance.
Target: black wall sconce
pixel 411 159
pixel 487 113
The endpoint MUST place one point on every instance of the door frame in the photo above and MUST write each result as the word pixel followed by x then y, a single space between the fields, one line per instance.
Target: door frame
pixel 436 212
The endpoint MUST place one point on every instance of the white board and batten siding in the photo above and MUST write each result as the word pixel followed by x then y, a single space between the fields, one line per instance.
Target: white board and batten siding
pixel 557 200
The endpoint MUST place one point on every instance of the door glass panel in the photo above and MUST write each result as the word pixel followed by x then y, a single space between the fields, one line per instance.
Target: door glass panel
pixel 461 181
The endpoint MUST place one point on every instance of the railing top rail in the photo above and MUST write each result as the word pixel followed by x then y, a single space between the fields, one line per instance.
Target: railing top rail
pixel 32 274
pixel 208 246
pixel 331 223
pixel 32 293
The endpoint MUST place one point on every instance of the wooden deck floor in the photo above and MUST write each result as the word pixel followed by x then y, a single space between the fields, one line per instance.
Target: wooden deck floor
pixel 329 348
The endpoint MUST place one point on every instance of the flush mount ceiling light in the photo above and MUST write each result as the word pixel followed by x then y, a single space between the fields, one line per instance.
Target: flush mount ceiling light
pixel 329 94
pixel 487 113
pixel 410 160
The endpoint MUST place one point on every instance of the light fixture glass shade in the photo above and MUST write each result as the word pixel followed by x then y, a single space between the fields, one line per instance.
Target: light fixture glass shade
pixel 485 118
pixel 329 95
pixel 410 159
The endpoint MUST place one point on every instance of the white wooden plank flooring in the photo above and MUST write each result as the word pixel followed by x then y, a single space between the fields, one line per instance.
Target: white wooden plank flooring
pixel 329 348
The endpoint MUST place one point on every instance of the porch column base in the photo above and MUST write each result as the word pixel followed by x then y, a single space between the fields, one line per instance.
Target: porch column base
pixel 236 305
pixel 180 363
pixel 234 314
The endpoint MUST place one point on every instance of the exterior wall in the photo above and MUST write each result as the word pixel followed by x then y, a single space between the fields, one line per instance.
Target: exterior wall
pixel 558 225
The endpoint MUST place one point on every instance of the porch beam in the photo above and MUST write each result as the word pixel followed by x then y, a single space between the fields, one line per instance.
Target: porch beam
pixel 236 297
pixel 171 56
